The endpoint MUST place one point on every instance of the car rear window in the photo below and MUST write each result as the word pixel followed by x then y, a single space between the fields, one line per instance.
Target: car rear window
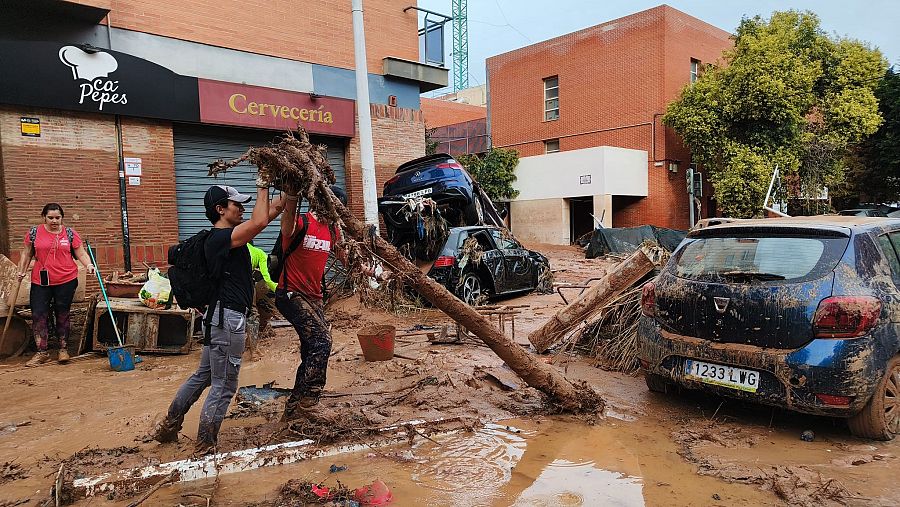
pixel 759 258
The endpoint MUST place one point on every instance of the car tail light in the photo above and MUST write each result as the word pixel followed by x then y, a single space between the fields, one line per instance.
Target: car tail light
pixel 846 316
pixel 648 299
pixel 831 399
pixel 450 164
pixel 392 180
pixel 444 261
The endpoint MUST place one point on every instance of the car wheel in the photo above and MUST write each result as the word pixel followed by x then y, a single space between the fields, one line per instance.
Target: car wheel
pixel 657 383
pixel 471 291
pixel 880 418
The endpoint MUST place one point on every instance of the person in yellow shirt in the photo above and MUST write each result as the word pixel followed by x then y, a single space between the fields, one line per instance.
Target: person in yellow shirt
pixel 264 296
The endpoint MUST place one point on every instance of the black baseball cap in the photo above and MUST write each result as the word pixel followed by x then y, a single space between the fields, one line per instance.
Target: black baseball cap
pixel 218 193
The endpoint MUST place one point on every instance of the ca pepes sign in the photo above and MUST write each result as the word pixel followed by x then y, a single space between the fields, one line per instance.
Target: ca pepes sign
pixel 95 80
pixel 268 108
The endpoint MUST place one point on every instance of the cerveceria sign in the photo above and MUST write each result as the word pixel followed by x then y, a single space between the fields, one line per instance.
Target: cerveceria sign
pixel 255 106
pixel 81 78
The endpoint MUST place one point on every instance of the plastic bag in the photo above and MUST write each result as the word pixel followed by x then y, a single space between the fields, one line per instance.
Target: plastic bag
pixel 157 291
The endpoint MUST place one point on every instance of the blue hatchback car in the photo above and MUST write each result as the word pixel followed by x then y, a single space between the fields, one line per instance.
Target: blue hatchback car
pixel 801 313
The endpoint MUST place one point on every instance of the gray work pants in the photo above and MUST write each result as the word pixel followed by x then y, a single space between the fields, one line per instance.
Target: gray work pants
pixel 220 364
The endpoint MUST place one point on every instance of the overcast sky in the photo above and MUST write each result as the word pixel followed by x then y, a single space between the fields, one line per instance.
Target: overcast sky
pixel 498 26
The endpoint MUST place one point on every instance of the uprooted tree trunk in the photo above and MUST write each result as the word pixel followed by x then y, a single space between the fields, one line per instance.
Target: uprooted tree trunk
pixel 296 163
pixel 592 301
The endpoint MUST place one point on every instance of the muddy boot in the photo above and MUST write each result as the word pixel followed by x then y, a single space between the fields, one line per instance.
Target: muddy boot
pixel 63 356
pixel 166 431
pixel 202 449
pixel 299 409
pixel 38 359
pixel 309 409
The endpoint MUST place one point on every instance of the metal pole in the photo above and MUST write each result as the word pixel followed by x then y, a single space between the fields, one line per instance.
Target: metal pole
pixel 690 181
pixel 123 199
pixel 366 148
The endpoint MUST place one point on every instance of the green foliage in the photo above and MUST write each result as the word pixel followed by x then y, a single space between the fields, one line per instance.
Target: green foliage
pixel 787 95
pixel 875 164
pixel 430 144
pixel 495 172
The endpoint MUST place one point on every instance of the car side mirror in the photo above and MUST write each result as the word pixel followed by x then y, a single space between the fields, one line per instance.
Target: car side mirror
pixel 503 213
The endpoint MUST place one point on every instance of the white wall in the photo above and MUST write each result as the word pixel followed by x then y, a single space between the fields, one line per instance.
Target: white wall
pixel 611 170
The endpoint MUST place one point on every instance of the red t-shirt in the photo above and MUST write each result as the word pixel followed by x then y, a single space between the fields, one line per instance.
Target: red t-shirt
pixel 52 251
pixel 306 265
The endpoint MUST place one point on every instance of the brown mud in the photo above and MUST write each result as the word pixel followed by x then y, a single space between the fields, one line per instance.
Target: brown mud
pixel 648 450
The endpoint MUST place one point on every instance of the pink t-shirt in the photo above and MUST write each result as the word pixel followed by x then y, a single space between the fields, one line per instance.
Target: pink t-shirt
pixel 52 251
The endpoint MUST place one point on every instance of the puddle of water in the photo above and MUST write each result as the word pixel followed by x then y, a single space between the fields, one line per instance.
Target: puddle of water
pixel 533 463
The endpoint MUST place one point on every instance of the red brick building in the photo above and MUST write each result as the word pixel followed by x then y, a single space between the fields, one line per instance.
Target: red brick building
pixel 604 86
pixel 157 90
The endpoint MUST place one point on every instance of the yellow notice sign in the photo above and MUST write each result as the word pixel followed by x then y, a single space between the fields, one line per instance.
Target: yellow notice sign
pixel 31 127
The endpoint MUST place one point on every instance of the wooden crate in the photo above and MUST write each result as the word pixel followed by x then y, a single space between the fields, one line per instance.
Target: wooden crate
pixel 149 330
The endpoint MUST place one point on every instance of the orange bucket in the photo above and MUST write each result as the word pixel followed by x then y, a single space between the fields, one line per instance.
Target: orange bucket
pixel 377 342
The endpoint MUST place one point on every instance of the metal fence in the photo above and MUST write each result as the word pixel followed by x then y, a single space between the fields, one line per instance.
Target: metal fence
pixel 464 138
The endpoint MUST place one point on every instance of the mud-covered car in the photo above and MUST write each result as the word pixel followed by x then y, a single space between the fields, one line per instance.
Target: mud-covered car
pixel 801 313
pixel 439 179
pixel 478 263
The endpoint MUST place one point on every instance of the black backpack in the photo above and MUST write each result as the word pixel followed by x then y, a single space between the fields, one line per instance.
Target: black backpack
pixel 32 236
pixel 193 285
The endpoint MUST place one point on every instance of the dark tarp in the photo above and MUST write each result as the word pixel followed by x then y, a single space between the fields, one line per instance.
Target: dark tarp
pixel 625 240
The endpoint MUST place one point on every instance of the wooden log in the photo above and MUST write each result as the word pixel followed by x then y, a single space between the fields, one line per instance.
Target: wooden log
pixel 537 374
pixel 592 301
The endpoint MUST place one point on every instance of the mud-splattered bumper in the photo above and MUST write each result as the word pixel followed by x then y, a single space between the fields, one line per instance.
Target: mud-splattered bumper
pixel 788 378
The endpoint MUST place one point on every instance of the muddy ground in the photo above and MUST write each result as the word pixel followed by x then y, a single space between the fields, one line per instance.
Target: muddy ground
pixel 676 450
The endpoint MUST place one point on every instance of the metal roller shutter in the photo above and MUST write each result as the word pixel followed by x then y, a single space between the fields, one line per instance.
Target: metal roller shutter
pixel 197 146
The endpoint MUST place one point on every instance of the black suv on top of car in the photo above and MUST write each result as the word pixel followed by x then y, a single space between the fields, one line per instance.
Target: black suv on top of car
pixel 445 181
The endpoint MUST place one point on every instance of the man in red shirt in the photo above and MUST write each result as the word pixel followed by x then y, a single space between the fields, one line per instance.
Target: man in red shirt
pixel 299 299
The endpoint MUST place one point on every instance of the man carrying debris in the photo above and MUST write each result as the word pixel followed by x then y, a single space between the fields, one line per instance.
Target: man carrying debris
pixel 299 299
pixel 228 259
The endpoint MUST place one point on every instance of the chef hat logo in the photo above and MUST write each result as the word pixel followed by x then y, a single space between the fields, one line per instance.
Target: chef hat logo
pixel 86 65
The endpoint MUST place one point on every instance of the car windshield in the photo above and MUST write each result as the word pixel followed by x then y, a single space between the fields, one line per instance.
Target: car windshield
pixel 759 258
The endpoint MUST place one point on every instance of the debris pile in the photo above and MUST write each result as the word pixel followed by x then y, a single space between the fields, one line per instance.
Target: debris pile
pixel 612 337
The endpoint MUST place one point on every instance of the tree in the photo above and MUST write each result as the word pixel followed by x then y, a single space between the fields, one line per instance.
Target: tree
pixel 495 172
pixel 787 95
pixel 874 171
pixel 430 144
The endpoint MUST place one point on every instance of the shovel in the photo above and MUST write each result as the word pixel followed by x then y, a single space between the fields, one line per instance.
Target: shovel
pixel 121 358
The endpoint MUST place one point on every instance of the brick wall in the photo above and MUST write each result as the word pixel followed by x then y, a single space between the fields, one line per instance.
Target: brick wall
pixel 74 163
pixel 615 80
pixel 398 136
pixel 317 32
pixel 440 113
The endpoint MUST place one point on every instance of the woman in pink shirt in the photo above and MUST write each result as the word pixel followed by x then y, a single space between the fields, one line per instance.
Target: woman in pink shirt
pixel 53 278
